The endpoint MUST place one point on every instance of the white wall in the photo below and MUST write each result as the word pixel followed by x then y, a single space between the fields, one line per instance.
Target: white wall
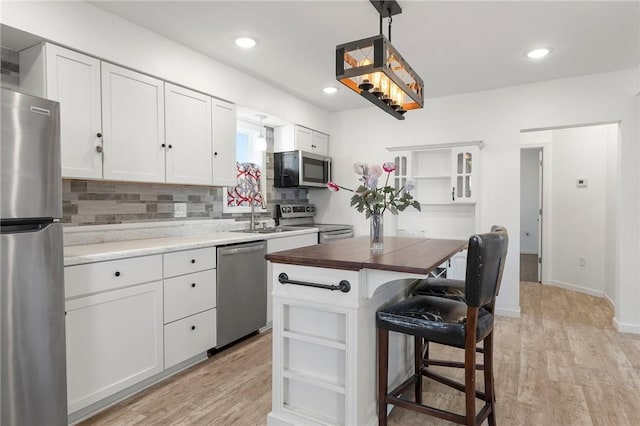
pixel 529 193
pixel 579 213
pixel 497 117
pixel 86 28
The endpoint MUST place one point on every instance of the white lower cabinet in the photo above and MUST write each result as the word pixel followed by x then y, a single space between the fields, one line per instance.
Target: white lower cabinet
pixel 189 294
pixel 114 340
pixel 189 337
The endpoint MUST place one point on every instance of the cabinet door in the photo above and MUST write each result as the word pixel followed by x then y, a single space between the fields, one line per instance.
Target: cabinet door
pixel 73 80
pixel 464 174
pixel 224 144
pixel 114 340
pixel 133 118
pixel 188 136
pixel 457 266
pixel 320 143
pixel 304 139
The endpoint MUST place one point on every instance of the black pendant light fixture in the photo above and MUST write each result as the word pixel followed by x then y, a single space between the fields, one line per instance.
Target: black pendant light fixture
pixel 373 68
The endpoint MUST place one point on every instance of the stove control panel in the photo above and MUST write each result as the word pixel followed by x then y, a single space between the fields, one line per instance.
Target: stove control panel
pixel 289 211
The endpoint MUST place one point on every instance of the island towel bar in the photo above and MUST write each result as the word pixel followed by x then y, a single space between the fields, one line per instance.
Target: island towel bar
pixel 343 286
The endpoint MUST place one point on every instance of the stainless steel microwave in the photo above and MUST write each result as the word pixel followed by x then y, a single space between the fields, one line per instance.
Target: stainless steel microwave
pixel 301 169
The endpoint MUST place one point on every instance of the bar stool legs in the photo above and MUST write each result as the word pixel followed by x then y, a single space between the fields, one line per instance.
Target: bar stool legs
pixel 383 373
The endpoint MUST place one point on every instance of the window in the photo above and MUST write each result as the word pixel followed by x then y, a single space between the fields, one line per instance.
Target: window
pixel 251 173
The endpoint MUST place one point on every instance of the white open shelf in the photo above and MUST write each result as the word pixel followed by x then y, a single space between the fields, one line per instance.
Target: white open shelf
pixel 315 381
pixel 314 340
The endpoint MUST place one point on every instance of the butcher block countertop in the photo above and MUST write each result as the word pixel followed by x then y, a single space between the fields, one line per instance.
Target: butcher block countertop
pixel 410 255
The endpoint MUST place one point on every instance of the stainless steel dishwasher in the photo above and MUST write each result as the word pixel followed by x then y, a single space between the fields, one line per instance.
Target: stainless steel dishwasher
pixel 242 290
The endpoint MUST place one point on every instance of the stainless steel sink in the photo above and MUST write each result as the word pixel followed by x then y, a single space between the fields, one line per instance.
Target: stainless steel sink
pixel 262 231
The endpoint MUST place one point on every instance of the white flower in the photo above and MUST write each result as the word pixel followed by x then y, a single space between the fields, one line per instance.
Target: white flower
pixel 361 169
pixel 372 181
pixel 409 186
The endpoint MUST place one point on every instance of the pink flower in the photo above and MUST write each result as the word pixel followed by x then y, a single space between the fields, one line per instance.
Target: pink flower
pixel 389 167
pixel 333 187
pixel 375 170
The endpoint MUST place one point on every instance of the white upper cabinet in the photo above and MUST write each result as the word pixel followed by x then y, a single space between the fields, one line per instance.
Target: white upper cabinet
pixel 464 174
pixel 133 125
pixel 320 143
pixel 224 143
pixel 73 79
pixel 294 137
pixel 188 136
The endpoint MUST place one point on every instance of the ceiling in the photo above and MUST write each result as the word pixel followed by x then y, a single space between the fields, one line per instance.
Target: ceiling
pixel 455 46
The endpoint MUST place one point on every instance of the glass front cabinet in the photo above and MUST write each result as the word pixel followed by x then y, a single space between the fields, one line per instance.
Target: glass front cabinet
pixel 464 174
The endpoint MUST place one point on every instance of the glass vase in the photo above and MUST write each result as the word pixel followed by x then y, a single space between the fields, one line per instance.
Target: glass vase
pixel 376 234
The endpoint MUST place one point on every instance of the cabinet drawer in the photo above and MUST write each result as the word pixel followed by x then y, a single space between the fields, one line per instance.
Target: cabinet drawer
pixel 189 294
pixel 188 337
pixel 185 262
pixel 100 276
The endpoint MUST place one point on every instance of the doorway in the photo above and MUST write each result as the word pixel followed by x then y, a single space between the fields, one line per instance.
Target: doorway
pixel 531 164
pixel 576 198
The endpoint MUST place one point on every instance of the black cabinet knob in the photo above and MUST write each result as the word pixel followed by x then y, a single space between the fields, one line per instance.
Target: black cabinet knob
pixel 117 273
pixel 215 154
pixel 163 145
pixel 99 134
pixel 170 146
pixel 193 285
pixel 193 261
pixel 193 327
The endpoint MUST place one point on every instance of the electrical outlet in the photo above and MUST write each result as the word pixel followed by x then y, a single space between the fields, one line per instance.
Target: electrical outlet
pixel 180 210
pixel 581 261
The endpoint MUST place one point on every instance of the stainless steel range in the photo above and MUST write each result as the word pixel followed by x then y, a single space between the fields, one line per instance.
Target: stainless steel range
pixel 301 215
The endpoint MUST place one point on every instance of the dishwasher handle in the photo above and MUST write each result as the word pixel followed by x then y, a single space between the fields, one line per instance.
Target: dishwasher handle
pixel 239 250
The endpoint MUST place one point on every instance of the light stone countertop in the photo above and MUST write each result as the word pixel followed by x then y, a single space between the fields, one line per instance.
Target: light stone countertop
pixel 89 253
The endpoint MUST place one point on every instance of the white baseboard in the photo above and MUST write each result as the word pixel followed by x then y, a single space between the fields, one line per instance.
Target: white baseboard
pixel 511 313
pixel 608 299
pixel 528 252
pixel 577 288
pixel 624 327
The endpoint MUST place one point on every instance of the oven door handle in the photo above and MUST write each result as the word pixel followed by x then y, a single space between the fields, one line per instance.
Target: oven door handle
pixel 337 236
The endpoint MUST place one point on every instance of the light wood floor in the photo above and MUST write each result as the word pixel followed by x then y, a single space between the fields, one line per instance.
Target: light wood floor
pixel 561 363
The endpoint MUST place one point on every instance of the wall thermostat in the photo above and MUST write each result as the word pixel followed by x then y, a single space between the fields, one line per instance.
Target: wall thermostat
pixel 581 182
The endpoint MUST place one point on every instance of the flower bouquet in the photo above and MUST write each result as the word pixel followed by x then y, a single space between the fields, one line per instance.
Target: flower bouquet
pixel 374 200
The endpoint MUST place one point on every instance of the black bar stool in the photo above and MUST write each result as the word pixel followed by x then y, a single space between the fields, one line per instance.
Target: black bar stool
pixel 448 322
pixel 451 289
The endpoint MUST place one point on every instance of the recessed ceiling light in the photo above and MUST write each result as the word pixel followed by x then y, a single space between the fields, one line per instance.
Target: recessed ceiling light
pixel 246 42
pixel 330 90
pixel 538 53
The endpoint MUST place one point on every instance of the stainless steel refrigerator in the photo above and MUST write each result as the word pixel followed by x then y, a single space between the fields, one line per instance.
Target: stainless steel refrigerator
pixel 33 389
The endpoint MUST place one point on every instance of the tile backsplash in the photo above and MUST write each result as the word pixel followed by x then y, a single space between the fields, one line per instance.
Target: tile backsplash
pixel 102 202
pixel 10 68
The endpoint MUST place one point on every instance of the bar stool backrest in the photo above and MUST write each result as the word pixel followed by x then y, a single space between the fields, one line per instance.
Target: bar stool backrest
pixel 485 258
pixel 500 228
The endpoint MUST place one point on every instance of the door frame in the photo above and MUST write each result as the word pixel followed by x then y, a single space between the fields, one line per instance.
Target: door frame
pixel 544 200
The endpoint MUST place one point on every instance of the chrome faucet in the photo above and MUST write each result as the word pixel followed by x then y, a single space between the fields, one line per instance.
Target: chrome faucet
pixel 253 223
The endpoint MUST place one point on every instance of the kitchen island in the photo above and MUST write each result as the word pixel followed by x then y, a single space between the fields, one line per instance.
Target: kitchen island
pixel 324 347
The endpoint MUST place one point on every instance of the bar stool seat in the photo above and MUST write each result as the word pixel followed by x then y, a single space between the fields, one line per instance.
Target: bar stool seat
pixel 439 319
